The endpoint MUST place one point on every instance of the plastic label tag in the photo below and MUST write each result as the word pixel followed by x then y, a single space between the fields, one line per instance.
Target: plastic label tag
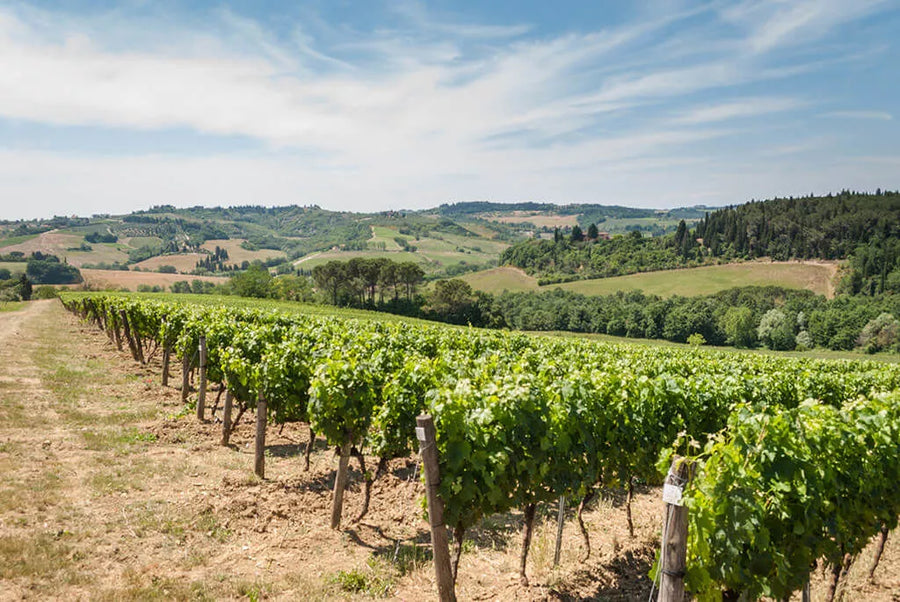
pixel 420 433
pixel 672 494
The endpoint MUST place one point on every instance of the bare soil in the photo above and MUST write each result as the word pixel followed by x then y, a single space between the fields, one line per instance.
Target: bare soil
pixel 112 490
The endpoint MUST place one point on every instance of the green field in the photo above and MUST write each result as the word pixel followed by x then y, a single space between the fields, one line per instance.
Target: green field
pixel 712 279
pixel 686 282
pixel 315 259
pixel 11 305
pixel 143 241
pixel 15 267
pixel 385 235
pixel 497 280
pixel 15 240
pixel 433 253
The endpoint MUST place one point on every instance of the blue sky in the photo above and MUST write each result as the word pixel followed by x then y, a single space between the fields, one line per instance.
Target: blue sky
pixel 403 104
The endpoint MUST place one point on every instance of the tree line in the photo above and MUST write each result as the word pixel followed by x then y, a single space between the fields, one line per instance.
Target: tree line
pixel 748 317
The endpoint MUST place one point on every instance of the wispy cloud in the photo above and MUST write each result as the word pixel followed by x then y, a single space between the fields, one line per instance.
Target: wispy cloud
pixel 774 23
pixel 747 107
pixel 387 111
pixel 871 115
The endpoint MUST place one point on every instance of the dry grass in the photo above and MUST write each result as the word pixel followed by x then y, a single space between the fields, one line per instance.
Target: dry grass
pixel 117 279
pixel 183 262
pixel 497 280
pixel 815 276
pixel 707 280
pixel 237 254
pixel 56 243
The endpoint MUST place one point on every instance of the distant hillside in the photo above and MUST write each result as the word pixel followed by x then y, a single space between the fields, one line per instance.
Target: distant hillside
pixel 553 243
pixel 861 228
pixel 209 241
pixel 534 218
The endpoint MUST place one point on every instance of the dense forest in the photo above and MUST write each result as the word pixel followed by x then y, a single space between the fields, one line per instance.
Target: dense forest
pixel 861 227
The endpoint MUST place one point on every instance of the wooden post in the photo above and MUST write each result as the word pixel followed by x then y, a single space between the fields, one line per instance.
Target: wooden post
pixel 167 353
pixel 560 521
pixel 340 481
pixel 117 331
pixel 201 396
pixel 226 417
pixel 805 595
pixel 185 376
pixel 425 433
pixel 132 345
pixel 259 466
pixel 673 558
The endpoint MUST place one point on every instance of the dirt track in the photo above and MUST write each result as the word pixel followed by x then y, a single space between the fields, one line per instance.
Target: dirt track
pixel 111 491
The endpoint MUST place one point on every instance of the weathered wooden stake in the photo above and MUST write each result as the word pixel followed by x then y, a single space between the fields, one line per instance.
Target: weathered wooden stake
pixel 628 500
pixel 560 521
pixel 117 332
pixel 226 417
pixel 425 433
pixel 340 481
pixel 167 353
pixel 879 550
pixel 674 545
pixel 259 466
pixel 201 396
pixel 185 376
pixel 132 346
pixel 805 594
pixel 527 530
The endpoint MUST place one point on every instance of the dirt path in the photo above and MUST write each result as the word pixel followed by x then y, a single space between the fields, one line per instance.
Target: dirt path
pixel 111 490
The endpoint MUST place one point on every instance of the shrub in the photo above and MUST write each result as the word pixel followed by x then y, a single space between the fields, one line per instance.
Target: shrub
pixel 45 292
pixel 776 331
pixel 879 333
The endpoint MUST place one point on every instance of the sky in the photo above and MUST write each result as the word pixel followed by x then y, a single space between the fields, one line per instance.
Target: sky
pixel 377 105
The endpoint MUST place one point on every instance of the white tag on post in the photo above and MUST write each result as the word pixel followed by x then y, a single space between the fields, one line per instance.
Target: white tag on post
pixel 672 494
pixel 420 433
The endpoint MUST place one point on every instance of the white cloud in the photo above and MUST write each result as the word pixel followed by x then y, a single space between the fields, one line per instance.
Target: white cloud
pixel 875 115
pixel 747 107
pixel 432 110
pixel 775 23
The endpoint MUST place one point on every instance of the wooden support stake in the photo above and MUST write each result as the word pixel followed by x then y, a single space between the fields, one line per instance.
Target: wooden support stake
pixel 185 376
pixel 879 550
pixel 259 466
pixel 167 353
pixel 560 521
pixel 340 481
pixel 673 558
pixel 117 332
pixel 425 433
pixel 201 396
pixel 805 595
pixel 132 346
pixel 226 417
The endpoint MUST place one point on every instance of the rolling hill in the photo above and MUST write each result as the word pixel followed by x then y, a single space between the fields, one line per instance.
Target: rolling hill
pixel 817 277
